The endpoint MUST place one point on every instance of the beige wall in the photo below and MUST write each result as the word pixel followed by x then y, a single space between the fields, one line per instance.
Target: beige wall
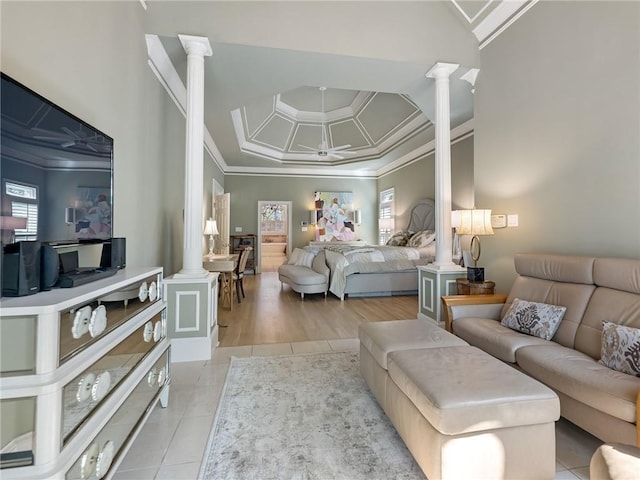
pixel 246 191
pixel 416 181
pixel 557 119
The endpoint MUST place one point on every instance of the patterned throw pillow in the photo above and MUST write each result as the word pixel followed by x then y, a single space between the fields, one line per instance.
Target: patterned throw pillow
pixel 421 239
pixel 620 348
pixel 533 318
pixel 399 239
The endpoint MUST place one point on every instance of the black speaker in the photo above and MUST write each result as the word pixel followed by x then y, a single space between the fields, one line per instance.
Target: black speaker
pixel 49 267
pixel 21 269
pixel 114 253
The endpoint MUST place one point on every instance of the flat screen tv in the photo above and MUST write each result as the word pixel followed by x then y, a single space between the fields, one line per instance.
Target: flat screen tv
pixel 56 172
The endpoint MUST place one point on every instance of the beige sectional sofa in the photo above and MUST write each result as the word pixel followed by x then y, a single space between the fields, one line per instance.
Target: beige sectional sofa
pixel 601 400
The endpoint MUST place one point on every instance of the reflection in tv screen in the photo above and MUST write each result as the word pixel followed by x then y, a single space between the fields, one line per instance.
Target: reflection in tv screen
pixel 57 171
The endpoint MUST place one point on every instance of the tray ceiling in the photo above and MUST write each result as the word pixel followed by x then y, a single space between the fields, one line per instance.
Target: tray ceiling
pixel 262 84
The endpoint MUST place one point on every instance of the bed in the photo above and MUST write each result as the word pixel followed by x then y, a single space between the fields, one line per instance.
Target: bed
pixel 373 270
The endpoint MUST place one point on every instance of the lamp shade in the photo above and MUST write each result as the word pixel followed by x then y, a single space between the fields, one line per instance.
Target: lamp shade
pixel 210 227
pixel 312 217
pixel 357 217
pixel 473 222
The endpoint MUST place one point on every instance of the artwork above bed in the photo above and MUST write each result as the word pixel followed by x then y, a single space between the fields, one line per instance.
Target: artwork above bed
pixel 334 216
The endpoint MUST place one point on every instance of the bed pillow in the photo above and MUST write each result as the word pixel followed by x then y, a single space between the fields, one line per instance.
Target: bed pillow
pixel 301 257
pixel 534 318
pixel 421 239
pixel 620 348
pixel 399 239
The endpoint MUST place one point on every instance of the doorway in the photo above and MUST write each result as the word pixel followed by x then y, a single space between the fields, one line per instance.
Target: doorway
pixel 274 234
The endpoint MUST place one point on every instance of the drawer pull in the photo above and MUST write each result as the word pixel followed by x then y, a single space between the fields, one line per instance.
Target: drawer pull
pixel 98 321
pixel 88 461
pixel 157 331
pixel 143 291
pixel 105 457
pixel 148 332
pixel 156 378
pixel 81 322
pixel 153 292
pixel 101 386
pixel 84 387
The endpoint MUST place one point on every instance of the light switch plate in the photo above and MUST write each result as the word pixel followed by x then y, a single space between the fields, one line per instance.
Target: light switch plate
pixel 238 229
pixel 512 220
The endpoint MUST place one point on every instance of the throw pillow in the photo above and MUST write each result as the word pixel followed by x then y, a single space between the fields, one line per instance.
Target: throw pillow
pixel 399 239
pixel 302 257
pixel 421 239
pixel 534 318
pixel 620 348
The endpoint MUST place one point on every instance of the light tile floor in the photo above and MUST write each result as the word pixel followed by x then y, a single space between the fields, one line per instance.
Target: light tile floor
pixel 171 444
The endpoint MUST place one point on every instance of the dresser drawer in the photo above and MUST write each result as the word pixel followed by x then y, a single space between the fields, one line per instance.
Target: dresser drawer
pixel 107 447
pixel 82 325
pixel 18 416
pixel 17 345
pixel 87 391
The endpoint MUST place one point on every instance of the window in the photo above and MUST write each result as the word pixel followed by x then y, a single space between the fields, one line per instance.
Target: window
pixel 23 200
pixel 386 211
pixel 274 218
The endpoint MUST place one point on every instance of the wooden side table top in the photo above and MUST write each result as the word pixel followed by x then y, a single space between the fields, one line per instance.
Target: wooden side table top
pixel 465 287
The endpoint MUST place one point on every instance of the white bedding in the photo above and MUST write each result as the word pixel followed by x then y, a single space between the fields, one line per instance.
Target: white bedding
pixel 344 261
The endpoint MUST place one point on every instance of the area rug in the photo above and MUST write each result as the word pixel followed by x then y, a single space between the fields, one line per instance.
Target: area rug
pixel 302 417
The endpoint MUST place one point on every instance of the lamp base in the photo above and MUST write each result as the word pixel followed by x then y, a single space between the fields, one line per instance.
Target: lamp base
pixel 475 274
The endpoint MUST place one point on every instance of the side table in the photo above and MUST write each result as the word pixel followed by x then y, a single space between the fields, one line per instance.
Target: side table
pixel 465 287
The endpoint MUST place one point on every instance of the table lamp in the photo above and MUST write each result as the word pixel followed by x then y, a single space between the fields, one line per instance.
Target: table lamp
pixel 211 229
pixel 474 222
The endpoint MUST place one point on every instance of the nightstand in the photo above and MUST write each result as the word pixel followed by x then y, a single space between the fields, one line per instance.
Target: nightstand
pixel 465 287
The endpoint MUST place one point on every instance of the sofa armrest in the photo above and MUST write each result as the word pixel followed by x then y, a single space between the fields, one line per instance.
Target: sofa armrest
pixel 487 306
pixel 638 420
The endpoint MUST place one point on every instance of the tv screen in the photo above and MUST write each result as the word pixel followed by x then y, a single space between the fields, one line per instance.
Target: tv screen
pixel 56 171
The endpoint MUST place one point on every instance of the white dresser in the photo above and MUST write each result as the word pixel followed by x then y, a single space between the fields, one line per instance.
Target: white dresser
pixel 80 371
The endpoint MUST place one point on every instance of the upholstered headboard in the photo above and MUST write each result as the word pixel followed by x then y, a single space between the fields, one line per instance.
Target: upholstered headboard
pixel 423 216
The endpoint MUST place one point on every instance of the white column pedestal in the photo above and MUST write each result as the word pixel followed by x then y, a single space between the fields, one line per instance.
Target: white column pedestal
pixel 433 283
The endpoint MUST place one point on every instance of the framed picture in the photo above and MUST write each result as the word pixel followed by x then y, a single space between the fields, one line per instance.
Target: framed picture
pixel 334 216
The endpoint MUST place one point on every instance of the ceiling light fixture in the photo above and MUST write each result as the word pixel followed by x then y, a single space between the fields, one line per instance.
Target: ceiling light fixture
pixel 324 150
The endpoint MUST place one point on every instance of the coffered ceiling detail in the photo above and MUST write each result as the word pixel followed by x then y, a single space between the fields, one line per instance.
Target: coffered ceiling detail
pixel 371 123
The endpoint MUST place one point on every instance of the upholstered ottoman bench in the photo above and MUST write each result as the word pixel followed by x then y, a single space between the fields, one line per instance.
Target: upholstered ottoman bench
pixel 464 414
pixel 378 339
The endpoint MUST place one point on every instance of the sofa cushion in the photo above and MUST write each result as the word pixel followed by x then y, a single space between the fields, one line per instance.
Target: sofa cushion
pixel 574 296
pixel 581 377
pixel 620 348
pixel 493 338
pixel 485 393
pixel 534 318
pixel 381 338
pixel 609 305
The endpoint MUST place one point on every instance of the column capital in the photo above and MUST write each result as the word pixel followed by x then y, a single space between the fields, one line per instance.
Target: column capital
pixel 441 70
pixel 197 45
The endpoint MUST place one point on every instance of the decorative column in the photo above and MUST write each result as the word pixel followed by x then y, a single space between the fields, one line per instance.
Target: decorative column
pixel 444 239
pixel 192 293
pixel 196 48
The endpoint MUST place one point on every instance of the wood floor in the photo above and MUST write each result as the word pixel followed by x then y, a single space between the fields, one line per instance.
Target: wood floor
pixel 271 314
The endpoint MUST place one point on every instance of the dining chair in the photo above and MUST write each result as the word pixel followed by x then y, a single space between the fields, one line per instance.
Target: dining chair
pixel 238 275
